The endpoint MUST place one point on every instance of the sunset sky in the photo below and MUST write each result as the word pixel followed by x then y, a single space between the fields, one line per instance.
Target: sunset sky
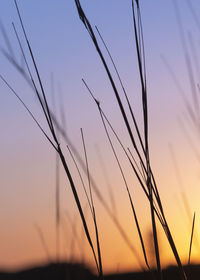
pixel 65 54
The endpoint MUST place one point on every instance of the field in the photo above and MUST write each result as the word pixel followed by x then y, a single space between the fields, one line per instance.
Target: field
pixel 100 131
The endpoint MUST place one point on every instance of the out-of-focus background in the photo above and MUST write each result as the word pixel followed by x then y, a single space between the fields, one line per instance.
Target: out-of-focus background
pixel 65 54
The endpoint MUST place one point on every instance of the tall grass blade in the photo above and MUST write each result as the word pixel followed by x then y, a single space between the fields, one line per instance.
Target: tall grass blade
pixel 149 186
pixel 31 77
pixel 124 179
pixel 46 108
pixel 191 239
pixel 122 110
pixel 93 211
pixel 149 172
pixel 77 203
pixel 81 178
pixel 69 142
pixel 57 203
pixel 138 175
pixel 145 116
pixel 28 111
pixel 46 112
pixel 124 91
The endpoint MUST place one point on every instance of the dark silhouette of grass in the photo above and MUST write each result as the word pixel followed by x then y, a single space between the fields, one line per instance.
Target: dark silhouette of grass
pixel 150 186
pixel 45 108
pixel 93 211
pixel 140 164
pixel 191 239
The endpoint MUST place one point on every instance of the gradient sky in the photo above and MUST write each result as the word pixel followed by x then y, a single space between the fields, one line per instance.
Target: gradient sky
pixel 63 49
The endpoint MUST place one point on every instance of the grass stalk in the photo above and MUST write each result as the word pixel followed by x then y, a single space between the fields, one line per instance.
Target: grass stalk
pixel 45 108
pixel 123 177
pixel 77 203
pixel 124 91
pixel 191 239
pixel 57 203
pixel 149 184
pixel 93 211
pixel 117 96
pixel 144 174
pixel 67 140
pixel 44 105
